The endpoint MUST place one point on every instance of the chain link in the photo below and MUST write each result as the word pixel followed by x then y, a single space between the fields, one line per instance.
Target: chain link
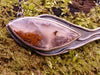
pixel 98 1
pixel 20 10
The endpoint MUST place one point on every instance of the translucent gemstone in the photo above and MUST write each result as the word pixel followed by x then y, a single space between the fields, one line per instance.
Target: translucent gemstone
pixel 42 34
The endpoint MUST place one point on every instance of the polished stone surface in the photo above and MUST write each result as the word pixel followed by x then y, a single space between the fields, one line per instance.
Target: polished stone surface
pixel 43 34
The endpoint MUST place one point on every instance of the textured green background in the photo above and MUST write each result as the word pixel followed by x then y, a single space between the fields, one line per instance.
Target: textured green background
pixel 15 60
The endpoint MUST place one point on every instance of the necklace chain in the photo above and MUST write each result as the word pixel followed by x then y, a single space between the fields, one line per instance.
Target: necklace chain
pixel 20 10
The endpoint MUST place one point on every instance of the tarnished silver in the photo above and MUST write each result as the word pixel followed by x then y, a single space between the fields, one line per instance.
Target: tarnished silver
pixel 85 35
pixel 20 10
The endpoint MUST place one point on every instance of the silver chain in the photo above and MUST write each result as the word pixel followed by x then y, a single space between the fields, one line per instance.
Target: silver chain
pixel 98 1
pixel 20 10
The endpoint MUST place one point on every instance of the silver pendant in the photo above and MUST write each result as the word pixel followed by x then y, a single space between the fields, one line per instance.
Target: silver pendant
pixel 49 35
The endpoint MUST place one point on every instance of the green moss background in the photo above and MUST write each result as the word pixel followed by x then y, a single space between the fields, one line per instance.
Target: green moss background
pixel 16 60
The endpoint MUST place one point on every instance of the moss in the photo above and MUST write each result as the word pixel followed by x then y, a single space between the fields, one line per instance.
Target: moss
pixel 15 60
pixel 90 20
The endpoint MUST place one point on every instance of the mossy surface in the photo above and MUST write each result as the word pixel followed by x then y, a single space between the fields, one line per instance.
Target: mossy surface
pixel 16 60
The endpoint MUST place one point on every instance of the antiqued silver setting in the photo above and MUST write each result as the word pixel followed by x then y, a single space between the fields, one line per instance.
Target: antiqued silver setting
pixel 85 36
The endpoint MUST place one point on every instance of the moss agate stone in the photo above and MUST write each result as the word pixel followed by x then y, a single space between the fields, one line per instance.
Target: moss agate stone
pixel 42 34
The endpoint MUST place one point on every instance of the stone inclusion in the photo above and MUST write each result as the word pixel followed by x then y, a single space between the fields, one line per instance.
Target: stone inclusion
pixel 43 34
